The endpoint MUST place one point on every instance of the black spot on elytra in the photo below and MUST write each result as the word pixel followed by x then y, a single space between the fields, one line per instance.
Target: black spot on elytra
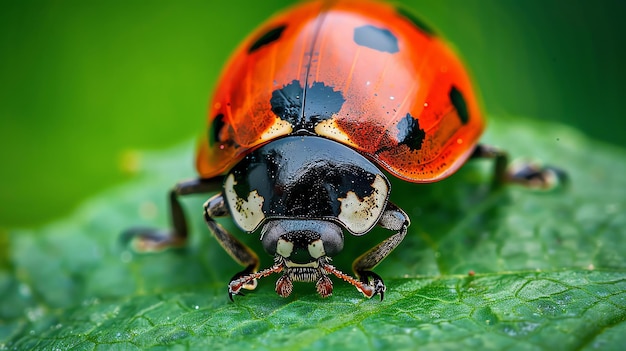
pixel 418 22
pixel 267 38
pixel 459 104
pixel 286 102
pixel 322 101
pixel 376 38
pixel 216 128
pixel 410 133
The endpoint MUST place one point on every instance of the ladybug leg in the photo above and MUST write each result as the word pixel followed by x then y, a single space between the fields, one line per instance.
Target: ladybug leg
pixel 242 254
pixel 394 219
pixel 524 173
pixel 154 239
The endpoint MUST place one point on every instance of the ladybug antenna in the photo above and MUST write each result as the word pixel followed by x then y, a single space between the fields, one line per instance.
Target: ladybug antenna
pixel 366 289
pixel 284 284
pixel 234 288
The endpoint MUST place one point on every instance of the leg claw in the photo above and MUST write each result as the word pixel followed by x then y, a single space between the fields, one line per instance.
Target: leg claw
pixel 537 177
pixel 375 282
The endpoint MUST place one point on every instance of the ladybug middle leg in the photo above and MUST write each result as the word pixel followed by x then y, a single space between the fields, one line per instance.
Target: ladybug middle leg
pixel 525 173
pixel 394 219
pixel 154 239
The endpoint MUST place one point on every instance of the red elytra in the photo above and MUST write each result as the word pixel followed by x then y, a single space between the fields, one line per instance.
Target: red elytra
pixel 365 74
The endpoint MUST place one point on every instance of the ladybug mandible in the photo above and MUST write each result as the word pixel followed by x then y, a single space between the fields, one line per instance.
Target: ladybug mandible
pixel 308 112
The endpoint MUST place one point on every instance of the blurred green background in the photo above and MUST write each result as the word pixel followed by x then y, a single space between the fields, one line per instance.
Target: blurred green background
pixel 84 83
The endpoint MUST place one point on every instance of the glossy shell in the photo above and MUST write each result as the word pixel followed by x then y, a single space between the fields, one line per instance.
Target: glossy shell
pixel 367 75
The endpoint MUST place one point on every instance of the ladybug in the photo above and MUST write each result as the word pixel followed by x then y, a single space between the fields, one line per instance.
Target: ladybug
pixel 310 114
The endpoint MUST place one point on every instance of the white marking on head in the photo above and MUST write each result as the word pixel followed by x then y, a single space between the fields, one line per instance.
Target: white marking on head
pixel 284 247
pixel 359 215
pixel 247 213
pixel 316 249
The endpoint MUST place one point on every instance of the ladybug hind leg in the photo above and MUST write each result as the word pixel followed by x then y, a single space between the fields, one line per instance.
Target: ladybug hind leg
pixel 156 239
pixel 393 219
pixel 528 174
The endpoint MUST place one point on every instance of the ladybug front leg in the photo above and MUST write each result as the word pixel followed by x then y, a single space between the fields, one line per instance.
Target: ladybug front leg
pixel 154 239
pixel 242 254
pixel 527 174
pixel 394 219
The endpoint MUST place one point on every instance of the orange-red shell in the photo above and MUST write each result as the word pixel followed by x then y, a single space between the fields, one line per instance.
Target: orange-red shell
pixel 385 86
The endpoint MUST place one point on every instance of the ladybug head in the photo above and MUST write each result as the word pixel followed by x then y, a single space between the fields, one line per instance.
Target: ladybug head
pixel 301 243
pixel 303 248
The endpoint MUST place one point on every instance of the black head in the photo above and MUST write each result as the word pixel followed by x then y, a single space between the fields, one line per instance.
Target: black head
pixel 301 242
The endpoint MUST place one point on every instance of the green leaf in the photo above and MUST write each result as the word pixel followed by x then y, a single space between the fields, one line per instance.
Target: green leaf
pixel 480 269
